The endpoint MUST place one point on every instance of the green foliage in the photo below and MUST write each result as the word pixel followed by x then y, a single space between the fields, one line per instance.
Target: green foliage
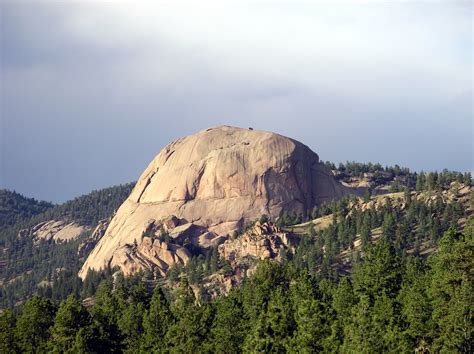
pixel 392 300
pixel 68 333
pixel 157 319
pixel 273 327
pixel 379 273
pixel 7 334
pixel 415 304
pixel 90 208
pixel 192 326
pixel 452 292
pixel 26 264
pixel 400 177
pixel 14 208
pixel 229 328
pixel 390 303
pixel 33 325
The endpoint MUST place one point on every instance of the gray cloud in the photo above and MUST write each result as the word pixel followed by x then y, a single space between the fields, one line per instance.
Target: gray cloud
pixel 92 91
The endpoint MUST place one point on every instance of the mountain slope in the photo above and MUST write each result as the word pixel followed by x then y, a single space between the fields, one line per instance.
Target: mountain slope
pixel 14 207
pixel 37 251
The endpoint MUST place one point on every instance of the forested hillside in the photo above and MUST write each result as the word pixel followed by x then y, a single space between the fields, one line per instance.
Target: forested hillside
pixel 16 208
pixel 391 302
pixel 382 272
pixel 27 266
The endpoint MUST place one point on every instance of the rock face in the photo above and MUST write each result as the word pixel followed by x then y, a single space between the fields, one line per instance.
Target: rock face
pixel 56 230
pixel 88 244
pixel 262 241
pixel 150 254
pixel 217 180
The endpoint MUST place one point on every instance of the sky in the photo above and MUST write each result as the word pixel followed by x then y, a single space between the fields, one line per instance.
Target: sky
pixel 91 91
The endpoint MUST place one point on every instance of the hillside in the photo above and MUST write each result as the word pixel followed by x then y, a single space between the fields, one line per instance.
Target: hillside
pixel 15 208
pixel 391 301
pixel 332 243
pixel 348 271
pixel 42 248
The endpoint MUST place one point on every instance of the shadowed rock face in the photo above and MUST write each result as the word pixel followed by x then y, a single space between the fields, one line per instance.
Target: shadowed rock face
pixel 218 179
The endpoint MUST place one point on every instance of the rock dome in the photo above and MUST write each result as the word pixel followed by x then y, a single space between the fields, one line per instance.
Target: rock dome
pixel 215 180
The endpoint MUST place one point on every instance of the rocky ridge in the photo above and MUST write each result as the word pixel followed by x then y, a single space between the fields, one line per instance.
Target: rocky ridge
pixel 55 230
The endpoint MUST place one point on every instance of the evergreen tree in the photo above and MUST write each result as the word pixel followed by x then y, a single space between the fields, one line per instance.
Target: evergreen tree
pixel 191 329
pixel 420 182
pixel 310 316
pixel 415 304
pixel 389 226
pixel 274 326
pixel 258 289
pixel 130 324
pixel 157 320
pixel 365 231
pixel 70 318
pixel 452 292
pixel 33 325
pixel 105 314
pixel 342 303
pixel 229 326
pixel 379 273
pixel 7 334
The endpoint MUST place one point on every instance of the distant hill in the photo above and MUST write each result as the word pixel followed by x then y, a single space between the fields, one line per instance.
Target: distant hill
pixel 28 263
pixel 90 208
pixel 14 207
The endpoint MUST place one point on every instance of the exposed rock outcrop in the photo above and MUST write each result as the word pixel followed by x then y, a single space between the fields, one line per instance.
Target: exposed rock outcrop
pixel 56 230
pixel 217 180
pixel 88 244
pixel 262 241
pixel 150 254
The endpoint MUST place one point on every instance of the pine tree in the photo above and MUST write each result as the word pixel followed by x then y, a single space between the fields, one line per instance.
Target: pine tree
pixel 389 226
pixel 130 324
pixel 420 182
pixel 70 318
pixel 156 321
pixel 415 305
pixel 273 328
pixel 452 292
pixel 310 316
pixel 33 325
pixel 431 181
pixel 257 291
pixel 379 273
pixel 105 314
pixel 365 232
pixel 229 326
pixel 191 329
pixel 7 334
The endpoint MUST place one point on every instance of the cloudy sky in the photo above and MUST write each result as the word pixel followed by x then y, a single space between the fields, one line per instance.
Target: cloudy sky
pixel 91 91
